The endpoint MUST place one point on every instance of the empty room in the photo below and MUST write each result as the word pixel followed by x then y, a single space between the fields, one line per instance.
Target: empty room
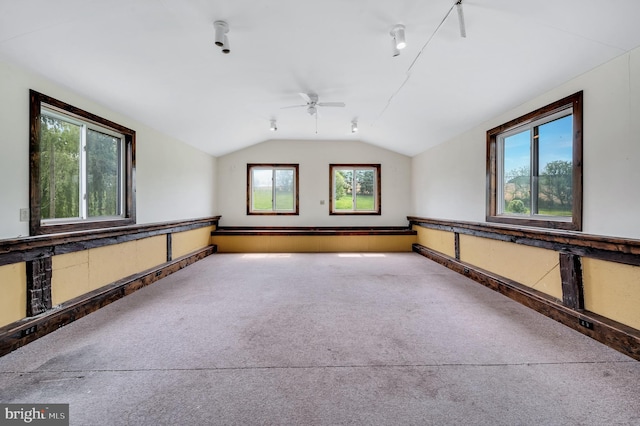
pixel 317 213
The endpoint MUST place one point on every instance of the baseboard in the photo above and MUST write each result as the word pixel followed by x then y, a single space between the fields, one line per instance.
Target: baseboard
pixel 313 230
pixel 19 333
pixel 618 336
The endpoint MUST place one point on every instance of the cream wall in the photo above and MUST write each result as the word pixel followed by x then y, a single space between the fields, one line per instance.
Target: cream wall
pixel 174 181
pixel 448 181
pixel 13 292
pixel 313 157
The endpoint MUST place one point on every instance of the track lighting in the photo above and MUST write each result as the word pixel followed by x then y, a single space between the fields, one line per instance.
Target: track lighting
pixel 222 28
pixel 273 126
pixel 394 48
pixel 354 126
pixel 463 30
pixel 225 47
pixel 397 32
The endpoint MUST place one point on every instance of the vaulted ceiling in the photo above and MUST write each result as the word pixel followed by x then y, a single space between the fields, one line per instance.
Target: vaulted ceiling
pixel 155 61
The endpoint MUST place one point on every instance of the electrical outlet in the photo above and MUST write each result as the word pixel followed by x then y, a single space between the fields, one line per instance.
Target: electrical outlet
pixel 586 324
pixel 28 331
pixel 24 215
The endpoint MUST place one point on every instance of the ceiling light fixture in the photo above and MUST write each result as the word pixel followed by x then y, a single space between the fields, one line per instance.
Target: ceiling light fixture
pixel 222 28
pixel 225 47
pixel 273 126
pixel 354 126
pixel 397 32
pixel 394 48
pixel 463 30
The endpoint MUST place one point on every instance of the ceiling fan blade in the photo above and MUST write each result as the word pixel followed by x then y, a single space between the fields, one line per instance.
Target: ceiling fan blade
pixel 306 97
pixel 293 106
pixel 331 104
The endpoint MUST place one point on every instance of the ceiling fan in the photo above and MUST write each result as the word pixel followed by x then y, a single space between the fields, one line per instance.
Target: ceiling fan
pixel 312 103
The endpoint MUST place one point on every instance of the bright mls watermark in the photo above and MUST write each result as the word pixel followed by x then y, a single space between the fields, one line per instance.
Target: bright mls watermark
pixel 34 414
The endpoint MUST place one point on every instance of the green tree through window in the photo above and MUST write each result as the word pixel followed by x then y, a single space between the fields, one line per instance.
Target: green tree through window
pixel 81 170
pixel 355 189
pixel 535 167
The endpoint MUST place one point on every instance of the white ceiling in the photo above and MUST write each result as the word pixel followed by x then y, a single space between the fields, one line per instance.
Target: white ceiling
pixel 155 61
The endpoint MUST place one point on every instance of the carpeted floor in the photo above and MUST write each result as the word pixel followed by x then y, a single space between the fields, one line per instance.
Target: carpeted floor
pixel 322 339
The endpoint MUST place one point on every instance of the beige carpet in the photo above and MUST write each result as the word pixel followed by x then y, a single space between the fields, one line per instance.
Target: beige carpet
pixel 306 339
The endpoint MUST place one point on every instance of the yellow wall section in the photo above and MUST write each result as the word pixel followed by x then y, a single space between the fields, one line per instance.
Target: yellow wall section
pixel 13 293
pixel 612 290
pixel 534 267
pixel 440 241
pixel 312 243
pixel 186 242
pixel 77 273
pixel 151 252
pixel 70 276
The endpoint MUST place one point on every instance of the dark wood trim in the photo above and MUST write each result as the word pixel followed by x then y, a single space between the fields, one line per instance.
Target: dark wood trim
pixel 34 162
pixel 612 249
pixel 613 334
pixel 378 210
pixel 38 285
pixel 456 243
pixel 578 114
pixel 576 101
pixel 29 248
pixel 169 247
pixel 36 227
pixel 296 211
pixel 21 332
pixel 571 276
pixel 295 230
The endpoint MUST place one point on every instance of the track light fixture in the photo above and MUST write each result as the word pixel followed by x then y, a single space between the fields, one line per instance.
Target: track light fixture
pixel 397 32
pixel 225 47
pixel 354 126
pixel 394 48
pixel 273 126
pixel 222 28
pixel 463 30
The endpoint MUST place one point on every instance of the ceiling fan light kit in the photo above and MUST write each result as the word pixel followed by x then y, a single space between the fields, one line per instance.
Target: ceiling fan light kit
pixel 312 105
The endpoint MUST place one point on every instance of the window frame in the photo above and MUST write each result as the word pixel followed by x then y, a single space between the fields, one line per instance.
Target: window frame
pixel 39 226
pixel 494 162
pixel 377 211
pixel 274 167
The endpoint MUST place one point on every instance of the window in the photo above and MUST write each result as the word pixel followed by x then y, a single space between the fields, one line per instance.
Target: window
pixel 354 189
pixel 272 189
pixel 535 168
pixel 81 169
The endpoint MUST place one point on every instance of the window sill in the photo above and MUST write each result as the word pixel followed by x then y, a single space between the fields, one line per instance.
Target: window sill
pixel 568 224
pixel 57 227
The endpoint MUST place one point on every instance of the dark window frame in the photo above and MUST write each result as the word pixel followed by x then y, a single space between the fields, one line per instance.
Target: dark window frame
pixel 296 185
pixel 492 215
pixel 378 190
pixel 36 225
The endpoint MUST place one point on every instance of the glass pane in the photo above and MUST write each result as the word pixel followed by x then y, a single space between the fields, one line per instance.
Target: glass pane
pixel 555 183
pixel 284 189
pixel 261 185
pixel 103 174
pixel 343 182
pixel 59 168
pixel 364 190
pixel 517 173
